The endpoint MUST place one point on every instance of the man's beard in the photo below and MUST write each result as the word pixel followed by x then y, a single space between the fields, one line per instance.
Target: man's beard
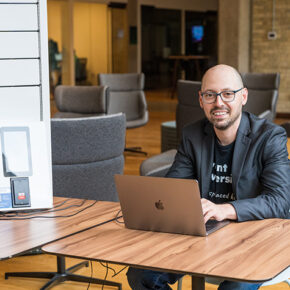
pixel 224 125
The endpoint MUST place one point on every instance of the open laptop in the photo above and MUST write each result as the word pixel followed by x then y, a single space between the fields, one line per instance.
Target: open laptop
pixel 164 205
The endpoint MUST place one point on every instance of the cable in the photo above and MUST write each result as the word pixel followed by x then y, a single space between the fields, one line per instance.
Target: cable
pixel 48 217
pixel 105 276
pixel 115 273
pixel 106 266
pixel 119 271
pixel 20 214
pixel 117 217
pixel 31 212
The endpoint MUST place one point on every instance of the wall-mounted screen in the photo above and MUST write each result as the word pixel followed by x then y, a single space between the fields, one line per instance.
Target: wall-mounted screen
pixel 197 33
pixel 16 151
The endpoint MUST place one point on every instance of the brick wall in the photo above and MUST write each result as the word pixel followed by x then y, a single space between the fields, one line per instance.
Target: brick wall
pixel 272 55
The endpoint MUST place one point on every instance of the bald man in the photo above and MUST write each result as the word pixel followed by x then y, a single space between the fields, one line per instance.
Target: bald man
pixel 240 161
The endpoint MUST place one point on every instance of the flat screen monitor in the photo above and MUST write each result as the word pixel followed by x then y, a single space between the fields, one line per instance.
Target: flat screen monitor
pixel 16 151
pixel 197 33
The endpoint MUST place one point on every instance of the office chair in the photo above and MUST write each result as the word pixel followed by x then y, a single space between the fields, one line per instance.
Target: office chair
pixel 187 110
pixel 263 94
pixel 126 95
pixel 80 101
pixel 86 153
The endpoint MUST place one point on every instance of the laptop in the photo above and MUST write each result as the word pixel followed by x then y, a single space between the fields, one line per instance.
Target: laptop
pixel 163 205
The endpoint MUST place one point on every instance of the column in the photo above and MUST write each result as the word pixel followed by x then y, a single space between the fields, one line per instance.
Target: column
pixel 234 33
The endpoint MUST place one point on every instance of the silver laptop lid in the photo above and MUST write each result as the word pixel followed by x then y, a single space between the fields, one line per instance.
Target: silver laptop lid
pixel 161 204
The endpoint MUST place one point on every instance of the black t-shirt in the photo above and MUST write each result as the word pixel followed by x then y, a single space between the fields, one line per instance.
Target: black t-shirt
pixel 221 190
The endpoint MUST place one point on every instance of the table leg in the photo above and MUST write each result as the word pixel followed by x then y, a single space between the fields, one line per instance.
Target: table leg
pixel 62 275
pixel 197 283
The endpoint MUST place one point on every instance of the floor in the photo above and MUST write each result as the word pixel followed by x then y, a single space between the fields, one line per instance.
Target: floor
pixel 161 109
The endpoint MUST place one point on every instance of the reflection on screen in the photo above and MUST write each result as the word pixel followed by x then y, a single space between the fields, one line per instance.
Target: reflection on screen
pixel 16 151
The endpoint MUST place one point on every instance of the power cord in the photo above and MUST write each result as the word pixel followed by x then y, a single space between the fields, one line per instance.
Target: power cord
pixel 31 213
pixel 107 271
pixel 19 217
pixel 118 217
pixel 112 269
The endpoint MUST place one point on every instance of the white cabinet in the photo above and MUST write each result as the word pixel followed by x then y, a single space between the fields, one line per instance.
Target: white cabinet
pixel 24 72
pixel 24 103
pixel 24 95
pixel 19 44
pixel 19 17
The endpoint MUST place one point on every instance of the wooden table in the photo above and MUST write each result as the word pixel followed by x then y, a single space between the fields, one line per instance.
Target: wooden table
pixel 254 251
pixel 177 59
pixel 20 236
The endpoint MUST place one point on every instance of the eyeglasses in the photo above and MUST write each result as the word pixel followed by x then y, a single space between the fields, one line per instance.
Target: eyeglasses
pixel 226 96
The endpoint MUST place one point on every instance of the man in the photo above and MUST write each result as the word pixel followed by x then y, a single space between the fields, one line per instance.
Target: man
pixel 240 161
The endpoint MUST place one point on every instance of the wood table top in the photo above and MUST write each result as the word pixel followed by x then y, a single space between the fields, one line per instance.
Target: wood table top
pixel 248 251
pixel 19 236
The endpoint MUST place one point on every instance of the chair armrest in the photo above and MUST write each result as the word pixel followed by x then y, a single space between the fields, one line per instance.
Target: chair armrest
pixel 266 115
pixel 158 165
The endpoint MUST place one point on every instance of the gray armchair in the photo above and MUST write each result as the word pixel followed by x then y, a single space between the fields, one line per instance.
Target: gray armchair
pixel 86 153
pixel 187 110
pixel 263 93
pixel 80 101
pixel 126 95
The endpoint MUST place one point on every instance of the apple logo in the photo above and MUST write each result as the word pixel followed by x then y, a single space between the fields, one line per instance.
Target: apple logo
pixel 159 204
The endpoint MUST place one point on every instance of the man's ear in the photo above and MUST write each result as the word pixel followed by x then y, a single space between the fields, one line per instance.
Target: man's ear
pixel 200 99
pixel 245 96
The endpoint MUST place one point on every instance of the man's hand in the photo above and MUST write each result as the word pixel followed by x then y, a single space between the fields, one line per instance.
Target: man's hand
pixel 218 212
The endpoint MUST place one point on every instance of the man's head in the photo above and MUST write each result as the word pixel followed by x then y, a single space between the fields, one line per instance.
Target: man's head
pixel 224 110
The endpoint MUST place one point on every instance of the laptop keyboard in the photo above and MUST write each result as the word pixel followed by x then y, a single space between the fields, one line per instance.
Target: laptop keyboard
pixel 210 224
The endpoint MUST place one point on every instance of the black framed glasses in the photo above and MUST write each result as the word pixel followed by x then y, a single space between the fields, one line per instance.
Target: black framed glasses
pixel 226 96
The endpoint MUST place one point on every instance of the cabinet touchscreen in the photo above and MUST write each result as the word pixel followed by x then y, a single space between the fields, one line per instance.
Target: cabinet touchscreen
pixel 16 151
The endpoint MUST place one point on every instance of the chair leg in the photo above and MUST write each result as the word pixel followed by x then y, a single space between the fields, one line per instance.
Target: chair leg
pixel 62 275
pixel 197 283
pixel 179 284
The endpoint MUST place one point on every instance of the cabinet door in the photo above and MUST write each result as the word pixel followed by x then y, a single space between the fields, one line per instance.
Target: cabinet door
pixel 24 72
pixel 19 1
pixel 20 103
pixel 19 17
pixel 19 45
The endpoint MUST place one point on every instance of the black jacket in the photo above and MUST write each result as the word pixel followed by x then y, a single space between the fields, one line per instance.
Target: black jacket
pixel 260 166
